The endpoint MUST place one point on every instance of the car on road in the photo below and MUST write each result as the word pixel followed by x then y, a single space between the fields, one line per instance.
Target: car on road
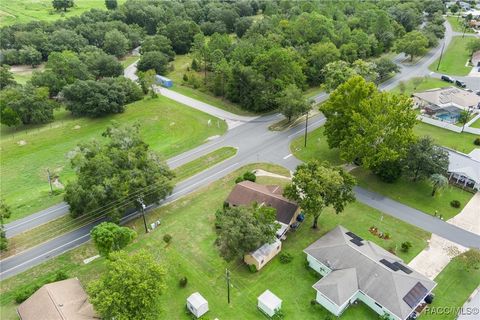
pixel 447 78
pixel 461 84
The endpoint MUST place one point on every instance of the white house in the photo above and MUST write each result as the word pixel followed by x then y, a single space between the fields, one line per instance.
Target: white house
pixel 269 303
pixel 197 304
pixel 354 269
pixel 464 170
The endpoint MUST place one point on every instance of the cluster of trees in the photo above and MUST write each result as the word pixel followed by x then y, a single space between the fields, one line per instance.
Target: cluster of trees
pixel 375 129
pixel 308 44
pixel 5 213
pixel 112 175
pixel 244 229
pixel 89 84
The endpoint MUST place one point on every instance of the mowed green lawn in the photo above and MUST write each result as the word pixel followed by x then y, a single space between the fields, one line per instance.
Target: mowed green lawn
pixel 457 24
pixel 192 253
pixel 180 66
pixel 421 84
pixel 454 58
pixel 462 142
pixel 454 285
pixel 417 195
pixel 22 11
pixel 167 126
pixel 476 124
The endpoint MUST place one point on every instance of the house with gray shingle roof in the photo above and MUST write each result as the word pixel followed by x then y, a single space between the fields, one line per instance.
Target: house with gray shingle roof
pixel 355 269
pixel 464 169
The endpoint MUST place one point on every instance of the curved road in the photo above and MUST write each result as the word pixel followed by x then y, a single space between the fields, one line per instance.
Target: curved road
pixel 255 143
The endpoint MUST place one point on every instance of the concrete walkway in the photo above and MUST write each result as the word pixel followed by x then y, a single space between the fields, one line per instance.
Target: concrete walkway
pixel 440 251
pixel 232 120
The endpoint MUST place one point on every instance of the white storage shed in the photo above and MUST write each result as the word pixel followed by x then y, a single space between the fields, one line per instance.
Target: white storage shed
pixel 269 303
pixel 197 304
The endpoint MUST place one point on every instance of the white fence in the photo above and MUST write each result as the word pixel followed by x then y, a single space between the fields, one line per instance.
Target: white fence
pixel 451 127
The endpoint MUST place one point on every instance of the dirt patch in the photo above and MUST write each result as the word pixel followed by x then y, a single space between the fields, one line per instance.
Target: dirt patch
pixel 22 143
pixel 263 173
pixel 57 184
pixel 172 124
pixel 76 127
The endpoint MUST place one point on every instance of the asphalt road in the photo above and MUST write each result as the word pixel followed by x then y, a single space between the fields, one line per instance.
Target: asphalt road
pixel 255 143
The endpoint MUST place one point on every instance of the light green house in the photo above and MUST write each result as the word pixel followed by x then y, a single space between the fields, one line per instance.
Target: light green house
pixel 354 269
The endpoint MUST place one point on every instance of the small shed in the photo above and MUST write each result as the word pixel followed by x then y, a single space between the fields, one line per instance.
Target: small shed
pixel 197 304
pixel 263 255
pixel 269 303
pixel 163 81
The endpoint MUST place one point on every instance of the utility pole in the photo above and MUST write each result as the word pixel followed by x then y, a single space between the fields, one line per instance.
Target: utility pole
pixel 306 128
pixel 50 181
pixel 441 55
pixel 228 285
pixel 142 205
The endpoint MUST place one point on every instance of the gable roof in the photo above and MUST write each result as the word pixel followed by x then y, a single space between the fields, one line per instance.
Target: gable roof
pixel 62 300
pixel 388 286
pixel 449 95
pixel 463 164
pixel 246 193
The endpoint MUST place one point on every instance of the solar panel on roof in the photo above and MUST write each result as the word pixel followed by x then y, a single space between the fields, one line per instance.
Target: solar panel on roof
pixel 357 242
pixel 353 235
pixel 403 268
pixel 389 265
pixel 415 295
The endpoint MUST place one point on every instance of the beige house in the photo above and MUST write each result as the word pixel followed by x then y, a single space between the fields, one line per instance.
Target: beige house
pixel 61 300
pixel 263 255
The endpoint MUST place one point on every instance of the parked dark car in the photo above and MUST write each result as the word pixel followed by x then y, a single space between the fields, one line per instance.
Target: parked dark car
pixel 448 79
pixel 461 84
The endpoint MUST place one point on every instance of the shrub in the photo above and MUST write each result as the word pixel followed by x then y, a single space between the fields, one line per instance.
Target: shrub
pixel 477 142
pixel 278 315
pixel 252 268
pixel 25 293
pixel 167 238
pixel 239 179
pixel 185 77
pixel 61 275
pixel 285 257
pixel 313 302
pixel 406 246
pixel 455 203
pixel 250 176
pixel 183 282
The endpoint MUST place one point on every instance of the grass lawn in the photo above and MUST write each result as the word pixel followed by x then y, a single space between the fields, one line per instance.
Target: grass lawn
pixel 167 126
pixel 128 60
pixel 421 84
pixel 455 285
pixel 66 223
pixel 476 124
pixel 192 253
pixel 22 11
pixel 180 65
pixel 457 24
pixel 23 73
pixel 416 195
pixel 462 142
pixel 454 58
pixel 313 91
pixel 204 162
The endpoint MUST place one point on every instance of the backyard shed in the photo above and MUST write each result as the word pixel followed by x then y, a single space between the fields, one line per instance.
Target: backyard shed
pixel 269 303
pixel 163 81
pixel 263 255
pixel 197 304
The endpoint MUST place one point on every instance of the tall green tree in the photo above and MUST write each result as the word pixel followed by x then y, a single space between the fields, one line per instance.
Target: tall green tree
pixel 5 213
pixel 244 229
pixel 147 82
pixel 158 43
pixel 319 55
pixel 181 33
pixel 6 77
pixel 115 173
pixel 153 60
pixel 115 43
pixel 201 52
pixel 111 4
pixel 62 4
pixel 109 237
pixel 316 186
pixel 130 288
pixel 438 182
pixel 367 125
pixel 473 45
pixel 67 66
pixel 336 73
pixel 424 158
pixel 413 44
pixel 464 117
pixel 292 103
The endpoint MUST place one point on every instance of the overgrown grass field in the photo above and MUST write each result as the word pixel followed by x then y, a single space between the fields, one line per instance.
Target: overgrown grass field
pixel 22 11
pixel 167 126
pixel 192 253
